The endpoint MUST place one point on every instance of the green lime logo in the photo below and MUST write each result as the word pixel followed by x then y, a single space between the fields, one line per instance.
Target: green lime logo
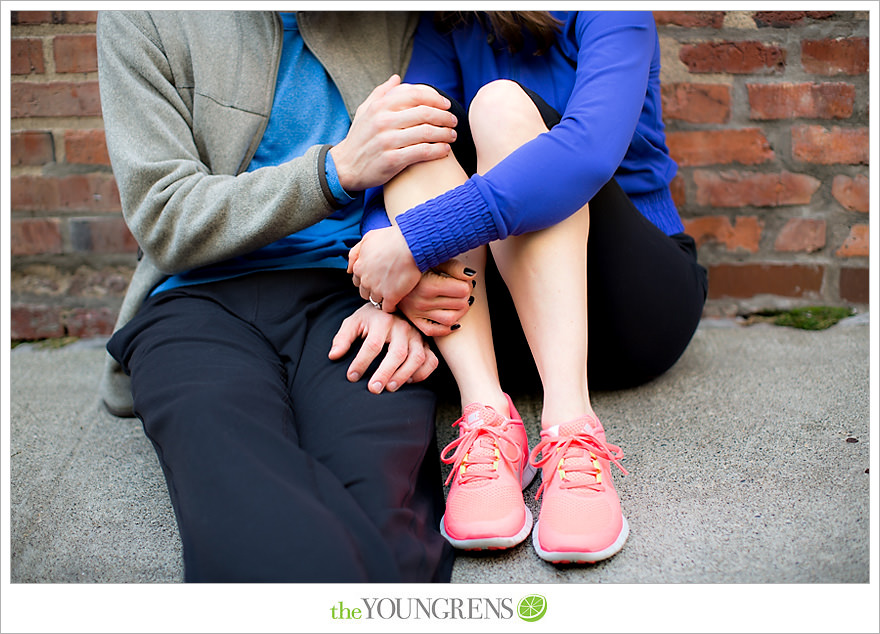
pixel 532 608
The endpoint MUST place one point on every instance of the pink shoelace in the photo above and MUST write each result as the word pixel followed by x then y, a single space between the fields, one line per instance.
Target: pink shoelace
pixel 560 446
pixel 486 438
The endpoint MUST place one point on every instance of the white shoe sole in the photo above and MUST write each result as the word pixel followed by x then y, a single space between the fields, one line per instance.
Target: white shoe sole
pixel 490 543
pixel 574 557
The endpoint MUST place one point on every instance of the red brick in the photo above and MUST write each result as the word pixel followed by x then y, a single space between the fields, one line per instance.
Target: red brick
pixel 101 235
pixel 847 56
pixel 31 147
pixel 786 19
pixel 677 189
pixel 856 243
pixel 714 19
pixel 76 53
pixel 54 17
pixel 696 103
pixel 27 56
pixel 854 285
pixel 89 322
pixel 801 234
pixel 744 234
pixel 740 189
pixel 79 17
pixel 747 146
pixel 80 192
pixel 816 144
pixel 732 57
pixel 35 322
pixel 86 146
pixel 749 280
pixel 807 101
pixel 853 193
pixel 35 236
pixel 56 99
pixel 32 17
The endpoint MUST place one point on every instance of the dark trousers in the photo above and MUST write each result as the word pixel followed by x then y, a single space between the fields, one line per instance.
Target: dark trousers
pixel 645 290
pixel 279 469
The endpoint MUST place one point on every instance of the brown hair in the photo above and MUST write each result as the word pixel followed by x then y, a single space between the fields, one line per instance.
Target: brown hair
pixel 509 26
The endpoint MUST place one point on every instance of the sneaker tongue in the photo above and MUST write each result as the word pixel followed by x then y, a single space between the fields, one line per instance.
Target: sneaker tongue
pixel 587 424
pixel 476 414
pixel 573 427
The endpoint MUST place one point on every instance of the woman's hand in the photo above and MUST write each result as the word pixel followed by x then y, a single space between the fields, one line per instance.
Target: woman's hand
pixel 440 299
pixel 409 359
pixel 383 268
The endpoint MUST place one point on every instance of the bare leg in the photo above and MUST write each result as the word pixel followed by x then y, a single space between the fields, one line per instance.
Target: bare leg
pixel 545 270
pixel 469 351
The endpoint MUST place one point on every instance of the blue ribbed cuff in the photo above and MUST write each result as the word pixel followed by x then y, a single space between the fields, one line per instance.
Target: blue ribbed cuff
pixel 660 209
pixel 447 226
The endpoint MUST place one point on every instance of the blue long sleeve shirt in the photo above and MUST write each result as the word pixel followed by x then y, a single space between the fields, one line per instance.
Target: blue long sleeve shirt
pixel 603 75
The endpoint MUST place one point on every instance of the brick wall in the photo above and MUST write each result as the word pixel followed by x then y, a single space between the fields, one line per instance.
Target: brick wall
pixel 72 255
pixel 767 115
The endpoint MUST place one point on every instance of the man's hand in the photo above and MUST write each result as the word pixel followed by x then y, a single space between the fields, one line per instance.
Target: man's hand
pixel 408 360
pixel 397 125
pixel 383 268
pixel 440 299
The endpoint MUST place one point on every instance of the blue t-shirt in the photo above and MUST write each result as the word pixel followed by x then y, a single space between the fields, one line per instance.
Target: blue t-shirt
pixel 307 110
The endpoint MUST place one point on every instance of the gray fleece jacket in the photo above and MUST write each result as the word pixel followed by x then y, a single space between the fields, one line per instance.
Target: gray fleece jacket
pixel 186 97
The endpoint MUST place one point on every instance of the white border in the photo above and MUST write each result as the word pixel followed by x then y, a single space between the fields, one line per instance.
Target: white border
pixel 285 608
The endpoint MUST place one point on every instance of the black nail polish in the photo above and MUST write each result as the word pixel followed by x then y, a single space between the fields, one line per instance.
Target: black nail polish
pixel 470 272
pixel 471 300
pixel 455 327
pixel 474 283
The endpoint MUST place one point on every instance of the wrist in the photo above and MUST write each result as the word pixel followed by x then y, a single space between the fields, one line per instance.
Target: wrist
pixel 403 248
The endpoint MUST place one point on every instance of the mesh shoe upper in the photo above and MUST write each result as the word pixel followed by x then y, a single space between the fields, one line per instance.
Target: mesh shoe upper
pixel 488 461
pixel 580 510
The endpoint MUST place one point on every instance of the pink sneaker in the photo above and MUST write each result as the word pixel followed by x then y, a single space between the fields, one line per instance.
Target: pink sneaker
pixel 490 468
pixel 580 519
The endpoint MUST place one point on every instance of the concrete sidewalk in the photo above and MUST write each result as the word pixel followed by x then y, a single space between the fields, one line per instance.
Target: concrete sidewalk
pixel 748 463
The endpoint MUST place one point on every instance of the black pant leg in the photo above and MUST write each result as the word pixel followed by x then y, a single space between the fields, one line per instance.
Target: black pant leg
pixel 251 504
pixel 645 293
pixel 382 448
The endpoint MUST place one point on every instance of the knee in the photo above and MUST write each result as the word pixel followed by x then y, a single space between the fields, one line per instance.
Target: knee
pixel 500 108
